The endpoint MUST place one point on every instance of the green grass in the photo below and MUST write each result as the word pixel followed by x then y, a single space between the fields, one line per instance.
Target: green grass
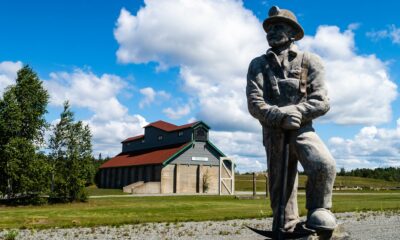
pixel 94 191
pixel 363 182
pixel 245 182
pixel 133 210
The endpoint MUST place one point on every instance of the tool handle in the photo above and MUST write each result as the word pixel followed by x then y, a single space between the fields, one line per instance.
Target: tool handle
pixel 282 200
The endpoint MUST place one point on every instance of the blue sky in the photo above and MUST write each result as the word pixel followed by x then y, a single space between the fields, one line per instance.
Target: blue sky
pixel 123 64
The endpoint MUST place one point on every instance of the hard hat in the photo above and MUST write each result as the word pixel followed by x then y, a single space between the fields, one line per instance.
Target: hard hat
pixel 283 15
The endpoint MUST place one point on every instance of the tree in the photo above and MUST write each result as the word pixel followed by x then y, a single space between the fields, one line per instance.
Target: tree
pixel 342 172
pixel 23 168
pixel 71 158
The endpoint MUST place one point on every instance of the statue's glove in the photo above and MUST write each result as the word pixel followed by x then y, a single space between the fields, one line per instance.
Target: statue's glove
pixel 292 119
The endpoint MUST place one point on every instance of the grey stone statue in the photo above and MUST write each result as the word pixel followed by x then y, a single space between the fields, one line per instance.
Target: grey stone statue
pixel 285 92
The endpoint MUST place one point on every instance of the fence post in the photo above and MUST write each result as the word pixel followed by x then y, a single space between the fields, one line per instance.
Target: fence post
pixel 254 184
pixel 266 184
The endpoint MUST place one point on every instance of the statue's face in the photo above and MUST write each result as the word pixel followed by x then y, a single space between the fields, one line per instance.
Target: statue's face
pixel 279 34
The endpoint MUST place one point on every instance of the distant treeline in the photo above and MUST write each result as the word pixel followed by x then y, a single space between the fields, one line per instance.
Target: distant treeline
pixel 388 174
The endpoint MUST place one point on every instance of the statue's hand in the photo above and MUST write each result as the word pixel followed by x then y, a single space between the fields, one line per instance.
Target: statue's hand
pixel 291 122
pixel 292 117
pixel 290 110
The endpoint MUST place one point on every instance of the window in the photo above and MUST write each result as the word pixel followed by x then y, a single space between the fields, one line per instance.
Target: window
pixel 180 133
pixel 160 137
pixel 200 135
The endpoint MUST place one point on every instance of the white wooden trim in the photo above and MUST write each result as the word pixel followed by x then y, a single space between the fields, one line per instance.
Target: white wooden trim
pixel 224 180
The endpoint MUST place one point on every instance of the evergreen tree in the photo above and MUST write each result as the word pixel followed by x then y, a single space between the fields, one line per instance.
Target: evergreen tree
pixel 388 174
pixel 23 171
pixel 71 158
pixel 342 172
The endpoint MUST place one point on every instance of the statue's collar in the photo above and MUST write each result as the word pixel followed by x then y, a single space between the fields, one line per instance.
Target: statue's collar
pixel 293 51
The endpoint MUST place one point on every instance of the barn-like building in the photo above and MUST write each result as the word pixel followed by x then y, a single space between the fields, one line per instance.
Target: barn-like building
pixel 169 159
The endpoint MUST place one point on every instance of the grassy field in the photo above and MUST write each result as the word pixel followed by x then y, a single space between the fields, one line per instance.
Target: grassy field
pixel 245 182
pixel 133 210
pixel 94 191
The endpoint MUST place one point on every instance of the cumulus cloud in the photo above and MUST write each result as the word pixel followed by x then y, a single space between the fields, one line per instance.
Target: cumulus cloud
pixel 8 73
pixel 177 113
pixel 371 147
pixel 150 96
pixel 245 148
pixel 392 32
pixel 110 122
pixel 360 88
pixel 85 89
pixel 238 143
pixel 212 43
pixel 249 164
pixel 107 135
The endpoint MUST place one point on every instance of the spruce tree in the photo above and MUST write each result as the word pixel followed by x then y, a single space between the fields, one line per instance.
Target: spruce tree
pixel 71 158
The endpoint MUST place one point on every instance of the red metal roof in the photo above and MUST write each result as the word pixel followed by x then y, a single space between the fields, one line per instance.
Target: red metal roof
pixel 145 157
pixel 133 138
pixel 168 127
pixel 165 126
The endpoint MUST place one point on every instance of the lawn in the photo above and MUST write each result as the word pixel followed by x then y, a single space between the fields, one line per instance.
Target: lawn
pixel 244 182
pixel 94 191
pixel 133 210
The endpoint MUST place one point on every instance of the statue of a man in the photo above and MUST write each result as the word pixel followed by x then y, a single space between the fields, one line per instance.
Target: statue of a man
pixel 285 92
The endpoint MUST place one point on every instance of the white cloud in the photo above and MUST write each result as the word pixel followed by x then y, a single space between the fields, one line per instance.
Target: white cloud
pixel 392 32
pixel 107 135
pixel 212 43
pixel 378 35
pixel 110 123
pixel 238 143
pixel 249 164
pixel 179 112
pixel 371 147
pixel 395 34
pixel 150 96
pixel 360 89
pixel 8 73
pixel 85 89
pixel 245 148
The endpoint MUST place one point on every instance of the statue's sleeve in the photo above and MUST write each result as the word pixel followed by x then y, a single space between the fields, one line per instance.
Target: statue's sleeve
pixel 268 115
pixel 317 103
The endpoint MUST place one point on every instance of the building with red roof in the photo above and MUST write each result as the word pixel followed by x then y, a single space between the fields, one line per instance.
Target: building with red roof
pixel 168 159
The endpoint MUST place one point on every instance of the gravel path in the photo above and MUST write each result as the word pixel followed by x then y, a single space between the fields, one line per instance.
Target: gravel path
pixel 369 225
